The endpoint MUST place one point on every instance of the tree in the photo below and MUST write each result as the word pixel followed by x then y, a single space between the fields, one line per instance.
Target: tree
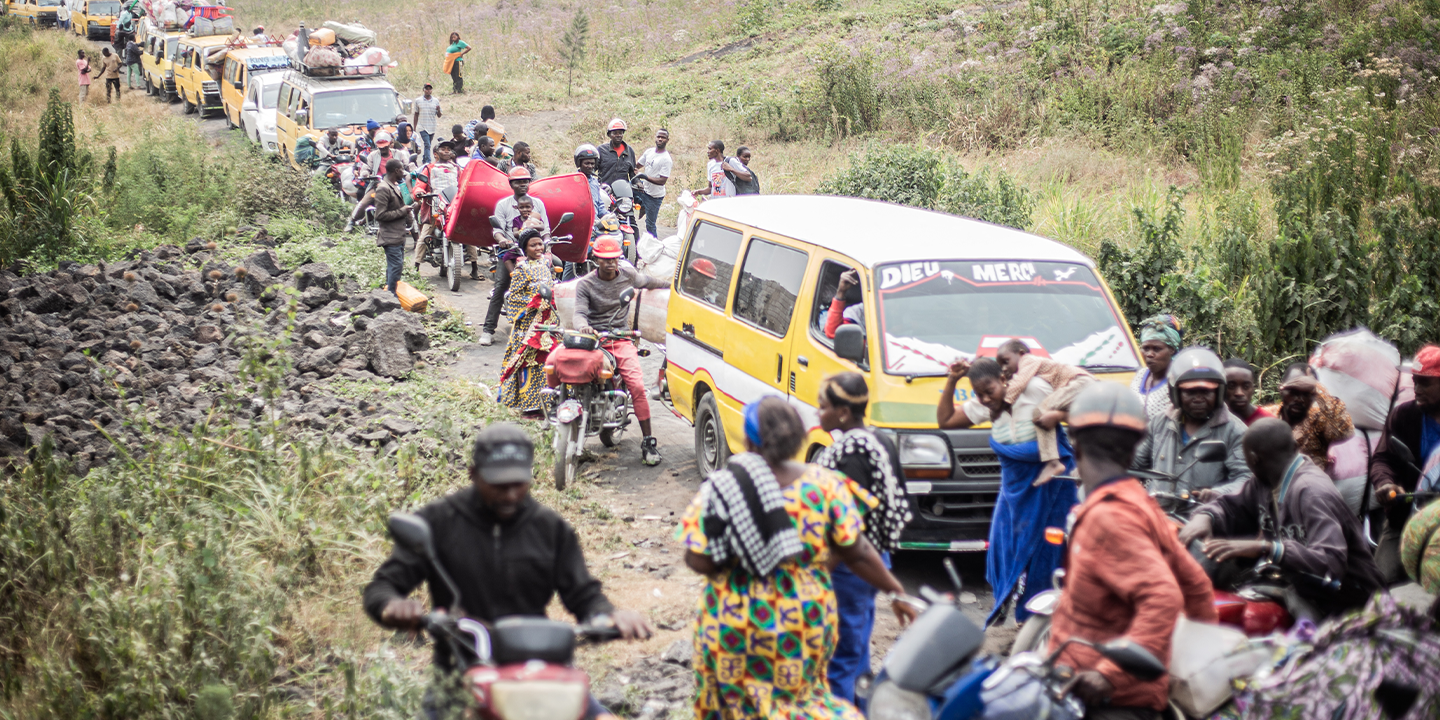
pixel 572 45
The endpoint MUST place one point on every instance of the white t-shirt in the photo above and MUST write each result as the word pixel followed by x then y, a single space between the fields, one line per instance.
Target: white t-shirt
pixel 655 164
pixel 720 185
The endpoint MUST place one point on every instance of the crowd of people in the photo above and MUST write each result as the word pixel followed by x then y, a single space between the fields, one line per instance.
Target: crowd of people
pixel 793 555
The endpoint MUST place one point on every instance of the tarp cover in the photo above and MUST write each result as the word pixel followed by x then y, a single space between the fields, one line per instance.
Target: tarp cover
pixel 482 186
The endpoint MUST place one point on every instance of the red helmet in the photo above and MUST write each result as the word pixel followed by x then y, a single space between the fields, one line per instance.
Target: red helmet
pixel 519 172
pixel 607 247
pixel 704 267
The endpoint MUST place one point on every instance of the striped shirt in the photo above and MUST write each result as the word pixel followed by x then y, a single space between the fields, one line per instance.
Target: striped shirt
pixel 429 112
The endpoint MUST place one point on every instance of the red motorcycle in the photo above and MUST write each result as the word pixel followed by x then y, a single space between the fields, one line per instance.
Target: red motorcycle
pixel 519 668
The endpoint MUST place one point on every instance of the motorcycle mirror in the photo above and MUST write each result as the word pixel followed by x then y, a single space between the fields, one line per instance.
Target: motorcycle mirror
pixel 547 293
pixel 1212 451
pixel 627 295
pixel 412 533
pixel 1401 450
pixel 494 222
pixel 567 217
pixel 1132 658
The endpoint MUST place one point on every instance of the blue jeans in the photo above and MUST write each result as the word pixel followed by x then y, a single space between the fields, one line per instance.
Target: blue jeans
pixel 394 262
pixel 651 205
pixel 855 600
pixel 427 139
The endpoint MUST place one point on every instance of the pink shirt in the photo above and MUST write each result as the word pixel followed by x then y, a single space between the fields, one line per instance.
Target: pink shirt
pixel 81 65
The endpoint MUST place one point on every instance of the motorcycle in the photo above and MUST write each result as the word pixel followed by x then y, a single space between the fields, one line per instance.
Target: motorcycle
pixel 586 395
pixel 492 256
pixel 339 170
pixel 934 671
pixel 519 668
pixel 446 255
pixel 622 205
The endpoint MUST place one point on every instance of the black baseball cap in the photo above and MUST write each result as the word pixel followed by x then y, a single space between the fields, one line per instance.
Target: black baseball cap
pixel 504 454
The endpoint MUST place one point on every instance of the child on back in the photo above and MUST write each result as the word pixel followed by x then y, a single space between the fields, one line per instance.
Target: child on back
pixel 1019 367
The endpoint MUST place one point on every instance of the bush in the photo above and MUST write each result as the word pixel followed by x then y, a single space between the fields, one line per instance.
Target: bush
pixel 990 196
pixel 843 95
pixel 917 176
pixel 47 196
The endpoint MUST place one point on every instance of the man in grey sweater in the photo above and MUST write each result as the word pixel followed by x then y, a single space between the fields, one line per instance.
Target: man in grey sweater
pixel 598 309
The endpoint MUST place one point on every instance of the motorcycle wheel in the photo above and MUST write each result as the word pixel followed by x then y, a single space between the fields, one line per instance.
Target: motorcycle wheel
pixel 711 447
pixel 567 461
pixel 607 437
pixel 457 259
pixel 1034 635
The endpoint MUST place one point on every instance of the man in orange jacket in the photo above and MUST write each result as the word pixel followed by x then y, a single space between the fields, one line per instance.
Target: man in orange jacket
pixel 1126 573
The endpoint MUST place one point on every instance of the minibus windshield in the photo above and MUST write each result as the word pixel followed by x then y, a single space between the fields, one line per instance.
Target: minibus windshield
pixel 934 313
pixel 354 107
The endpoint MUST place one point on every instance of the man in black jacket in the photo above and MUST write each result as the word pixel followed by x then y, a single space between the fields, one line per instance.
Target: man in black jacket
pixel 508 554
pixel 617 158
pixel 1417 424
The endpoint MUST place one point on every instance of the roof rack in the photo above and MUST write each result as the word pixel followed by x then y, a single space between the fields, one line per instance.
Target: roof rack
pixel 340 72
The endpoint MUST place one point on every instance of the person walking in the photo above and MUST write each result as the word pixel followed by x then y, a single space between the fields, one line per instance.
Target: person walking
pixel 655 167
pixel 870 465
pixel 62 16
pixel 522 376
pixel 133 78
pixel 745 179
pixel 391 211
pixel 427 121
pixel 506 212
pixel 110 71
pixel 1160 338
pixel 454 58
pixel 764 531
pixel 82 67
pixel 721 184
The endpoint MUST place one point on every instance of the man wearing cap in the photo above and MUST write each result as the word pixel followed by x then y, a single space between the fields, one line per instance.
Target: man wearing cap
pixel 437 177
pixel 366 142
pixel 1126 575
pixel 1290 514
pixel 385 149
pixel 598 309
pixel 1415 423
pixel 427 120
pixel 617 158
pixel 506 213
pixel 1196 381
pixel 508 554
pixel 1317 418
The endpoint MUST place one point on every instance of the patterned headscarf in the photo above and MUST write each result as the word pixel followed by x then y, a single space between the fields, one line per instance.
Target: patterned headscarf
pixel 1165 328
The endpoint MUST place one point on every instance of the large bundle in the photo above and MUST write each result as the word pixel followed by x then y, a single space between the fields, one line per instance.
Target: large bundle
pixel 354 33
pixel 1364 371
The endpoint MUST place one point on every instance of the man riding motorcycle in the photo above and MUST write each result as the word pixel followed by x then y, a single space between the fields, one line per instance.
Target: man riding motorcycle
pixel 598 308
pixel 1126 574
pixel 1197 390
pixel 1416 424
pixel 508 555
pixel 1302 524
pixel 437 177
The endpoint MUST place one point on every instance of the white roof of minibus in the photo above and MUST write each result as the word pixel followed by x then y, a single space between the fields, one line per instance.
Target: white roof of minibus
pixel 873 232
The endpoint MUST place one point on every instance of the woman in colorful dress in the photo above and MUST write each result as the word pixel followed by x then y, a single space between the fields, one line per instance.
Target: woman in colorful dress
pixel 1160 338
pixel 522 376
pixel 865 458
pixel 761 531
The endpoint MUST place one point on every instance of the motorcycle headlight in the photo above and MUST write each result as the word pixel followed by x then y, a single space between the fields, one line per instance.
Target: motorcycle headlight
pixel 537 700
pixel 919 450
pixel 891 702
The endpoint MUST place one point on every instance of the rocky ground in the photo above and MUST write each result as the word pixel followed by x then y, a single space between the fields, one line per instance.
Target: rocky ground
pixel 177 331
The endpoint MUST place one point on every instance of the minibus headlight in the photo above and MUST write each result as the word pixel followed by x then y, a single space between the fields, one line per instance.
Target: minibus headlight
pixel 923 450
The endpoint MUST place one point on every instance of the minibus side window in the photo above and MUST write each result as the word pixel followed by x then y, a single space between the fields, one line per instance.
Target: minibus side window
pixel 769 284
pixel 709 263
pixel 825 290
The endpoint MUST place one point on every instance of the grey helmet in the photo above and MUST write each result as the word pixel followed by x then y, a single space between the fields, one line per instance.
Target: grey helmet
pixel 1107 404
pixel 1192 364
pixel 586 151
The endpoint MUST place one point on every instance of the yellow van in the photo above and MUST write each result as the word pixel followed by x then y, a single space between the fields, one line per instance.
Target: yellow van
pixel 755 287
pixel 157 63
pixel 40 13
pixel 94 18
pixel 240 65
pixel 197 72
pixel 310 105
